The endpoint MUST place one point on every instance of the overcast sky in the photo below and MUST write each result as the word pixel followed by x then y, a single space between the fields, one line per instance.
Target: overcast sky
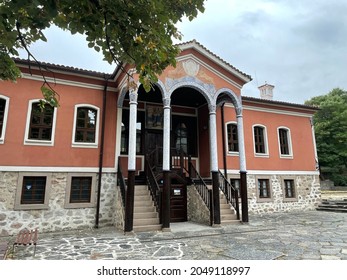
pixel 299 46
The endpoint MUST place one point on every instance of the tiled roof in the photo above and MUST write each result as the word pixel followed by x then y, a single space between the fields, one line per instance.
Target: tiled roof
pixel 275 102
pixel 62 68
pixel 194 42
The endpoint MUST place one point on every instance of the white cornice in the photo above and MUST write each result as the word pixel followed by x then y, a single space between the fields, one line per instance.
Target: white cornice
pixel 275 172
pixel 55 169
pixel 274 111
pixel 67 82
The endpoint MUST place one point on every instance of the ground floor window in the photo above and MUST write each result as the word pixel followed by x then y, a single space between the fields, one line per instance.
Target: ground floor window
pixel 289 191
pixel 80 190
pixel 264 192
pixel 32 191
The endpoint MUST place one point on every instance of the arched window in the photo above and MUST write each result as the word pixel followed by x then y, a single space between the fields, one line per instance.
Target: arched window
pixel 232 138
pixel 260 140
pixel 284 142
pixel 40 126
pixel 3 116
pixel 86 126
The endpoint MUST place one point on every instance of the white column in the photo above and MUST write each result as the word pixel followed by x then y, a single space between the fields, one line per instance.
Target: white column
pixel 240 135
pixel 132 130
pixel 213 138
pixel 166 134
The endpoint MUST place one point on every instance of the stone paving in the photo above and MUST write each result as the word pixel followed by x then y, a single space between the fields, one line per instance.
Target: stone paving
pixel 309 235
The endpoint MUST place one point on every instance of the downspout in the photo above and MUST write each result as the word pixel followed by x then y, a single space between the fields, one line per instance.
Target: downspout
pixel 101 155
pixel 224 144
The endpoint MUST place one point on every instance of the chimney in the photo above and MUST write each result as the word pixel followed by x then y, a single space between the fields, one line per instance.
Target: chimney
pixel 266 91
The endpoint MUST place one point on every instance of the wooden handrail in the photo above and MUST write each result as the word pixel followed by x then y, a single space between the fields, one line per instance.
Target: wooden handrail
pixel 121 182
pixel 154 188
pixel 204 191
pixel 230 192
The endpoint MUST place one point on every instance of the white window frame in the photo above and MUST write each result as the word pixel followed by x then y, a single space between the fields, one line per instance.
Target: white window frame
pixel 266 145
pixel 83 144
pixel 231 153
pixel 7 100
pixel 37 142
pixel 289 139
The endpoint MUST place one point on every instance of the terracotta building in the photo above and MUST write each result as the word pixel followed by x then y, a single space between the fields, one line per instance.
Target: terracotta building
pixel 191 149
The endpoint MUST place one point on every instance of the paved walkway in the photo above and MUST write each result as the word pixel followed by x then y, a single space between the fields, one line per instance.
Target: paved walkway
pixel 310 235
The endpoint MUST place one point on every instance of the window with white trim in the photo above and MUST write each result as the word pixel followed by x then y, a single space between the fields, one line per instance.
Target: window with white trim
pixel 86 126
pixel 40 127
pixel 4 101
pixel 284 142
pixel 232 138
pixel 260 140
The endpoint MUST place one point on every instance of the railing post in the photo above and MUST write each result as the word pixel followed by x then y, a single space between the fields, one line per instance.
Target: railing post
pixel 166 200
pixel 216 199
pixel 129 203
pixel 244 196
pixel 211 206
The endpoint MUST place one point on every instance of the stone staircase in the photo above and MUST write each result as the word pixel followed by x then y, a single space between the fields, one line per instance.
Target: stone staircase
pixel 146 217
pixel 333 205
pixel 227 212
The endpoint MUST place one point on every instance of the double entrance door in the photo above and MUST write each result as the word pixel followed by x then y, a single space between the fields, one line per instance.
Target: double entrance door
pixel 178 188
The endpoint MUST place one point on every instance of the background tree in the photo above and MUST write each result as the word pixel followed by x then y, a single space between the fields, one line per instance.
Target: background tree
pixel 138 32
pixel 331 134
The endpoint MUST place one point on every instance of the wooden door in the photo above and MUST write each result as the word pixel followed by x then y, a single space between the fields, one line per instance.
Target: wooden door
pixel 178 203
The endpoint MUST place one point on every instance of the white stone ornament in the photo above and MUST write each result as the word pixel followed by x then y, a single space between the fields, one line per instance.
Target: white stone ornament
pixel 191 67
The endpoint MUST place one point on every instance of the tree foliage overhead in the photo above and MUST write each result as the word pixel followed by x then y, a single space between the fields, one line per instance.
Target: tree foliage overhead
pixel 331 133
pixel 138 32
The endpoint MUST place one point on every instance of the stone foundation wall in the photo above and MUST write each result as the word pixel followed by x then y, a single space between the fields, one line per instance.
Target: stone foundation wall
pixel 196 208
pixel 308 194
pixel 56 217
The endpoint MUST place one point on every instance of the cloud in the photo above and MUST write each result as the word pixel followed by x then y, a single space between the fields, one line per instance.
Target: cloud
pixel 298 46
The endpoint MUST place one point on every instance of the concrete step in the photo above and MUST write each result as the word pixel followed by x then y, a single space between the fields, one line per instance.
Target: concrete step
pixel 146 222
pixel 143 203
pixel 146 215
pixel 144 209
pixel 332 209
pixel 147 228
pixel 229 222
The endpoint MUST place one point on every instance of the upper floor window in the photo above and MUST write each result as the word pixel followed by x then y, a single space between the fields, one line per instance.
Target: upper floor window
pixel 40 124
pixel 284 142
pixel 3 116
pixel 86 124
pixel 260 140
pixel 232 138
pixel 182 137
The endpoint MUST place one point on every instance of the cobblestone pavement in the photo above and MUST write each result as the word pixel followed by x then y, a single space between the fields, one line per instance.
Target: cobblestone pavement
pixel 310 235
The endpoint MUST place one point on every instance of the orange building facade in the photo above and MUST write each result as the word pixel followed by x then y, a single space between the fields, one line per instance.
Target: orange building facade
pixel 192 149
